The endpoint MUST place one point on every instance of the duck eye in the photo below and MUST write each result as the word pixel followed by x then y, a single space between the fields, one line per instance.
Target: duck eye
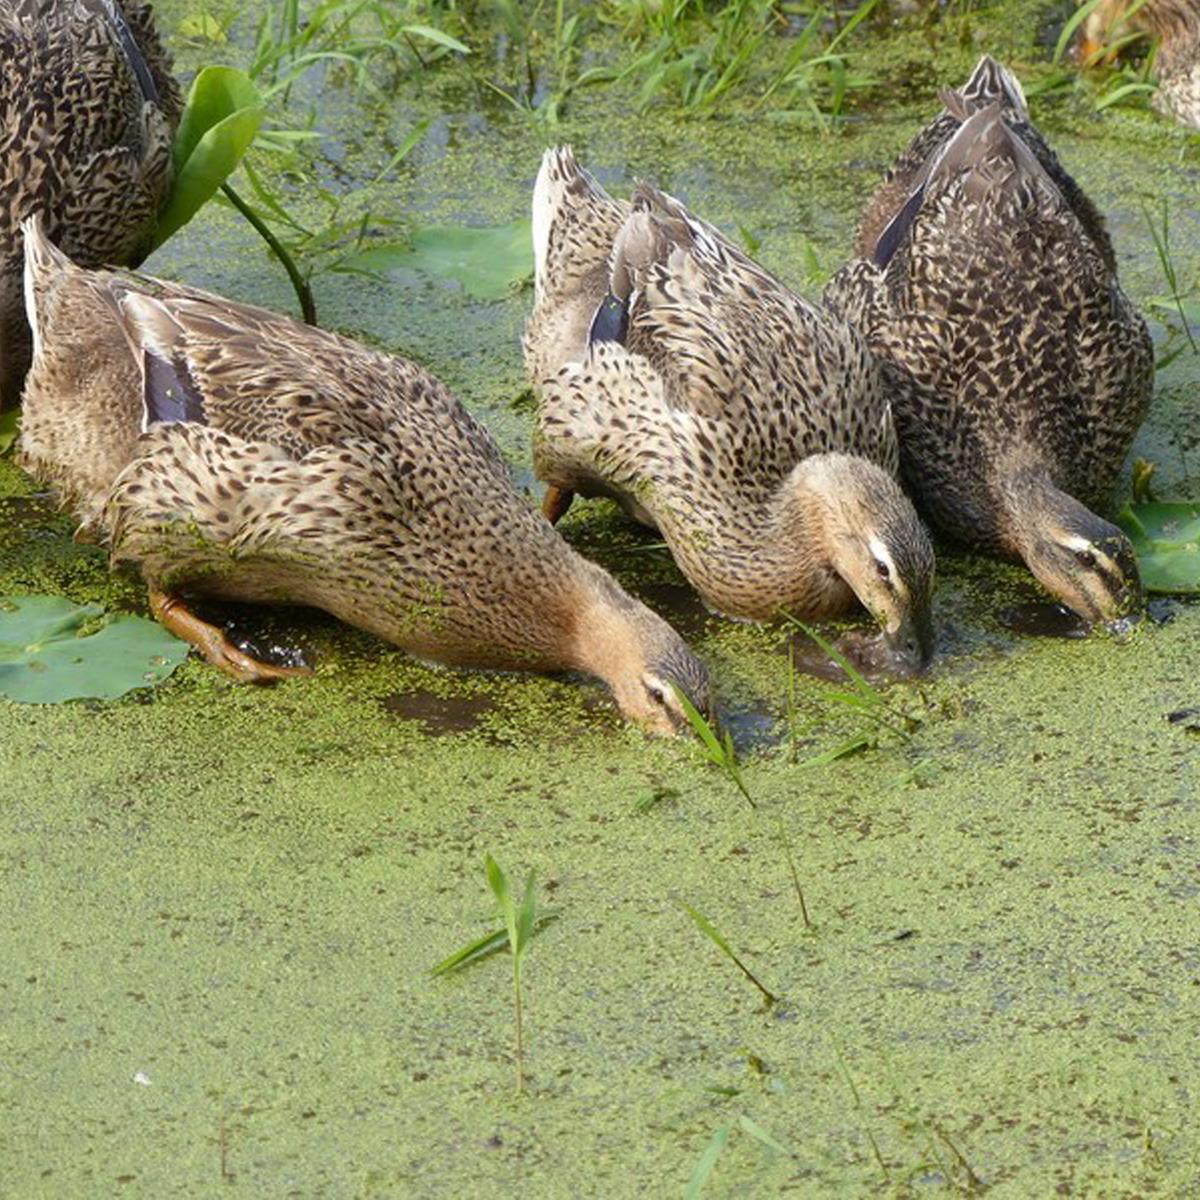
pixel 1085 558
pixel 883 570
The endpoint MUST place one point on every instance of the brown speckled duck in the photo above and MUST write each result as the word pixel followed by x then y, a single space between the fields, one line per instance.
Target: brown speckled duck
pixel 1019 370
pixel 234 453
pixel 1176 25
pixel 87 111
pixel 680 378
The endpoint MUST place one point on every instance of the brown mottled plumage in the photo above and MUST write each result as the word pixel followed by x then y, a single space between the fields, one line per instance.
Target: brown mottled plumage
pixel 87 111
pixel 1176 25
pixel 1019 370
pixel 232 452
pixel 677 376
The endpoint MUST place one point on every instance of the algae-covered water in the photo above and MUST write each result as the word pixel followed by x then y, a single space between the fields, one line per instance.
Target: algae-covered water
pixel 219 905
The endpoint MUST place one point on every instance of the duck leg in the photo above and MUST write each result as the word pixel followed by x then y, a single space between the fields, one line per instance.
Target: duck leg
pixel 175 616
pixel 556 502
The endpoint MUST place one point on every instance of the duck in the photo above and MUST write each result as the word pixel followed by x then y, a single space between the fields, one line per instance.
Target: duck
pixel 676 376
pixel 1176 25
pixel 228 452
pixel 1019 371
pixel 88 109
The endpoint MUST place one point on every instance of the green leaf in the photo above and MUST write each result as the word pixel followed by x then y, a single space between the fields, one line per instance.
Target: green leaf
pixel 1120 93
pixel 526 914
pixel 436 35
pixel 405 148
pixel 703 730
pixel 756 1131
pixel 709 930
pixel 1166 537
pixel 46 659
pixel 472 952
pixel 498 882
pixel 487 261
pixel 1189 310
pixel 221 118
pixel 489 944
pixel 860 741
pixel 10 426
pixel 1076 19
pixel 705 1164
pixel 865 690
pixel 216 93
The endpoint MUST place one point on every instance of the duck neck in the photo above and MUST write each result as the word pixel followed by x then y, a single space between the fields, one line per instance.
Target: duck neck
pixel 605 639
pixel 1027 495
pixel 789 558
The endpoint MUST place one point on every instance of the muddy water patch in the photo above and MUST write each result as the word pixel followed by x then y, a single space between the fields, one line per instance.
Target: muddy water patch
pixel 440 715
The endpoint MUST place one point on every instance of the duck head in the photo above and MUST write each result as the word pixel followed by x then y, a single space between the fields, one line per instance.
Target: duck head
pixel 873 540
pixel 645 663
pixel 1085 561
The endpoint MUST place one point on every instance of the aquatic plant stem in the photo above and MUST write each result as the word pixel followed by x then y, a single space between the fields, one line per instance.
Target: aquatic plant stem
pixel 520 1037
pixel 786 846
pixel 300 286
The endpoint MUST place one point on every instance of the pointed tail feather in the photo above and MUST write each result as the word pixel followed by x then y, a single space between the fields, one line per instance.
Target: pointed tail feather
pixel 986 138
pixel 45 264
pixel 574 221
pixel 990 82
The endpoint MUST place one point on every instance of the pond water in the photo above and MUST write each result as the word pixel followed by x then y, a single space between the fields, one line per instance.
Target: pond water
pixel 219 906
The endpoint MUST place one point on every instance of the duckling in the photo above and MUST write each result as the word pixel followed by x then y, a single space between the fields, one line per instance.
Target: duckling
pixel 1019 370
pixel 88 107
pixel 680 378
pixel 1176 25
pixel 237 454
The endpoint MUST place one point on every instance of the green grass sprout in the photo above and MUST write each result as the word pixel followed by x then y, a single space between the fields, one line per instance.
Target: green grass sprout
pixel 715 936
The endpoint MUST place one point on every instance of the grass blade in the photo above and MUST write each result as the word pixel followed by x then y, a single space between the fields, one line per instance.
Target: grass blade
pixel 705 1163
pixel 525 918
pixel 414 136
pixel 714 935
pixel 756 1131
pixel 1077 18
pixel 498 882
pixel 720 753
pixel 852 673
pixel 430 34
pixel 490 943
pixel 854 745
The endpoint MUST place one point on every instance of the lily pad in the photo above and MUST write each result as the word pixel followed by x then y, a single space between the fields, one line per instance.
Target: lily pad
pixel 52 650
pixel 1166 536
pixel 487 261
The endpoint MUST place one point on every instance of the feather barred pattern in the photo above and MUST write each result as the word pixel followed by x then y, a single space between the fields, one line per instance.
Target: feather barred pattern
pixel 80 141
pixel 724 384
pixel 233 452
pixel 1010 344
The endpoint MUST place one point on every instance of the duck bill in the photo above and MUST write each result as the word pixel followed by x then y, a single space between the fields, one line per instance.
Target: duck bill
pixel 910 645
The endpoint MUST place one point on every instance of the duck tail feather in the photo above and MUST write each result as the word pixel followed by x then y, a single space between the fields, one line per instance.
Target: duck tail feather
pixel 565 200
pixel 45 267
pixel 988 83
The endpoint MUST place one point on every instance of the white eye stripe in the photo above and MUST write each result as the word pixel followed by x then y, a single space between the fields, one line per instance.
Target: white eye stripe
pixel 880 551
